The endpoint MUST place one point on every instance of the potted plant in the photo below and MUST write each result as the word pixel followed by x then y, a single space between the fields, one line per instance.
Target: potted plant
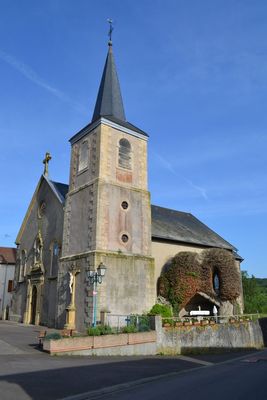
pixel 187 322
pixel 166 322
pixel 232 320
pixel 196 322
pixel 178 323
pixel 212 321
pixel 204 321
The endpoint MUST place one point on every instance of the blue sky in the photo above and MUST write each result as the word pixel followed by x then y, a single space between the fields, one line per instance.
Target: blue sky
pixel 193 75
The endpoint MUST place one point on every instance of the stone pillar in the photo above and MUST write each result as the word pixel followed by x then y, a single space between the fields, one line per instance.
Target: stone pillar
pixel 27 313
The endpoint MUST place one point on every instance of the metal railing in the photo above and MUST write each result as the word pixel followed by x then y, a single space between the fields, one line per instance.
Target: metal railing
pixel 128 323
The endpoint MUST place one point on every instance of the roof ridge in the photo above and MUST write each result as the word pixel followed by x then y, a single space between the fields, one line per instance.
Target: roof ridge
pixel 171 209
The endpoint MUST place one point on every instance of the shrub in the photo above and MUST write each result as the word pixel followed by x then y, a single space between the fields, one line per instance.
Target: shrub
pixel 99 330
pixel 168 321
pixel 161 309
pixel 129 329
pixel 94 331
pixel 143 328
pixel 53 336
pixel 105 330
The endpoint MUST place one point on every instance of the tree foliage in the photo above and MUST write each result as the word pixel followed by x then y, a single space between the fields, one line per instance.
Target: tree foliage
pixel 255 294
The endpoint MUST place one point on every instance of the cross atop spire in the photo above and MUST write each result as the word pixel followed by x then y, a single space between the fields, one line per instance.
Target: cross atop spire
pixel 109 100
pixel 110 31
pixel 45 162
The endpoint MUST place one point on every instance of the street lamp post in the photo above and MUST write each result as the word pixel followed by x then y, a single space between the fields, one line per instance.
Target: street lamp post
pixel 94 278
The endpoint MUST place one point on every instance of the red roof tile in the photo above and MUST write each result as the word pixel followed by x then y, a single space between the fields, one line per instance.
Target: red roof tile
pixel 8 255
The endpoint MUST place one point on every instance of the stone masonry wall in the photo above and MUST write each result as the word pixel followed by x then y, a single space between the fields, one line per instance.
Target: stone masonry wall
pixel 212 338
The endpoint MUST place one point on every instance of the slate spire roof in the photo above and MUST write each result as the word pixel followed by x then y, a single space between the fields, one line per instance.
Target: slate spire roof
pixel 109 99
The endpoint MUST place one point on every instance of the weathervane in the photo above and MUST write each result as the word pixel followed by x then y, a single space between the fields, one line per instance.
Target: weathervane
pixel 45 162
pixel 110 21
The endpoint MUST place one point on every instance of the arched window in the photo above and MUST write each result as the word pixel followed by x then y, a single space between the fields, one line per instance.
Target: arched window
pixel 216 283
pixel 124 154
pixel 55 249
pixel 83 156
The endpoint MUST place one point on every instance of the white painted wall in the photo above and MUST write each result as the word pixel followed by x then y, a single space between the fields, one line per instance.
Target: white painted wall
pixel 6 274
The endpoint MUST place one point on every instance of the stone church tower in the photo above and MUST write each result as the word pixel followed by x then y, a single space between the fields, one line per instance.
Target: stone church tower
pixel 107 213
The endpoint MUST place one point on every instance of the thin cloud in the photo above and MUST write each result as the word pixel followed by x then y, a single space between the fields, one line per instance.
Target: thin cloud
pixel 32 76
pixel 167 165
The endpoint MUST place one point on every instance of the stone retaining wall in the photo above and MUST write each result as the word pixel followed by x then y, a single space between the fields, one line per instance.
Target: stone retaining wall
pixel 173 340
pixel 210 338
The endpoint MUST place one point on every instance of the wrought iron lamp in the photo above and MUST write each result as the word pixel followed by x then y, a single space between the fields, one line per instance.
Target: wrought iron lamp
pixel 94 278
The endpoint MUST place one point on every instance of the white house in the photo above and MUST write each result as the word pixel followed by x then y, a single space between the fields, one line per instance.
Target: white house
pixel 7 270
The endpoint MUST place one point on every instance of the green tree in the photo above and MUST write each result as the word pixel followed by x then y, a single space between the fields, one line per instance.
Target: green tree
pixel 255 296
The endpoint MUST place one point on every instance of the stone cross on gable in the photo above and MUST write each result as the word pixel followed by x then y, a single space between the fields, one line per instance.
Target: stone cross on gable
pixel 45 162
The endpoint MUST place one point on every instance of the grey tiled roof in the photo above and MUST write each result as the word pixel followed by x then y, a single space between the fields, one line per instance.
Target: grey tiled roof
pixel 184 227
pixel 126 124
pixel 61 189
pixel 90 126
pixel 109 99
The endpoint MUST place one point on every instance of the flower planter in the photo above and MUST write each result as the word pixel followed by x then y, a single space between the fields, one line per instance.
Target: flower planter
pixel 73 344
pixel 204 322
pixel 197 323
pixel 232 320
pixel 212 322
pixel 166 325
pixel 178 324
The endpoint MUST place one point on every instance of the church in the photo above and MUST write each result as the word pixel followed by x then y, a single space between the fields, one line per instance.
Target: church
pixel 98 246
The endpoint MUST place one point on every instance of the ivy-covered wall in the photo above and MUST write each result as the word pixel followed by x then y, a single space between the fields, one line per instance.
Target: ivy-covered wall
pixel 190 272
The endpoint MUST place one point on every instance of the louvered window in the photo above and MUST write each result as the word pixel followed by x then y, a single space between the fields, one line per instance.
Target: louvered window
pixel 83 156
pixel 125 154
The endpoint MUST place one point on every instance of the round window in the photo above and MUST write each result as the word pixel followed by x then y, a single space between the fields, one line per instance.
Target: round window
pixel 124 238
pixel 124 205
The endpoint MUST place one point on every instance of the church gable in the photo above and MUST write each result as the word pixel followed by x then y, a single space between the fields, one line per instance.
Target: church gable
pixel 56 193
pixel 41 231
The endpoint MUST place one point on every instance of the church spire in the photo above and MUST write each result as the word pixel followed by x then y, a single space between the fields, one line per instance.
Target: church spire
pixel 109 99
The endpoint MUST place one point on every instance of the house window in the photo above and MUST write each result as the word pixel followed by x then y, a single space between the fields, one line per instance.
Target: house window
pixel 83 156
pixel 10 286
pixel 124 154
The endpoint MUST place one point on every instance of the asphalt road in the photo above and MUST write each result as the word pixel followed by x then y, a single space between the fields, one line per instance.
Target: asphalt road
pixel 237 380
pixel 26 373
